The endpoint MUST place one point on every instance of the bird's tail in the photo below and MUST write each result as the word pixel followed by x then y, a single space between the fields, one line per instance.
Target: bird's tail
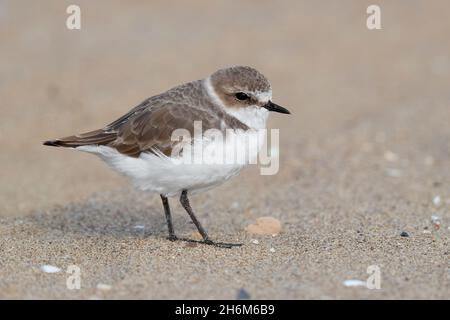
pixel 97 137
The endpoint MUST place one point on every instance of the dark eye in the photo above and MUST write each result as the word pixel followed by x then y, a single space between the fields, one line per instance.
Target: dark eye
pixel 241 96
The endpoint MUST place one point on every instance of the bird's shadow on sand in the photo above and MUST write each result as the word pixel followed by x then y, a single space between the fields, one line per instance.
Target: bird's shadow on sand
pixel 108 216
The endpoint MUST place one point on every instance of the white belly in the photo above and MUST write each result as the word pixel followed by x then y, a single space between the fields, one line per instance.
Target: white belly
pixel 170 176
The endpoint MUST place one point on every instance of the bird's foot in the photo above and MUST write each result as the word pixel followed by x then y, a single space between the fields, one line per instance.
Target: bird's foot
pixel 212 243
pixel 172 237
pixel 221 244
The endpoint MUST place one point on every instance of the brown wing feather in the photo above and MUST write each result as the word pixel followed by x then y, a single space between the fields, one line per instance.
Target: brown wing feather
pixel 98 137
pixel 152 129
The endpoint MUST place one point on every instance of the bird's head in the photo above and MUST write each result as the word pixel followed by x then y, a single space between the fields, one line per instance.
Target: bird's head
pixel 242 87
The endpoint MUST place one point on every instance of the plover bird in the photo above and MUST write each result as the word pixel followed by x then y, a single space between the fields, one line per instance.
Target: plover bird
pixel 140 144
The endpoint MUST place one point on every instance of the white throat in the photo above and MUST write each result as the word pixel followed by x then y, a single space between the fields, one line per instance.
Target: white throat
pixel 253 116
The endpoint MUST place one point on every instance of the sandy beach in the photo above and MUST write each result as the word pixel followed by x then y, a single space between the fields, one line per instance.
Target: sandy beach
pixel 364 176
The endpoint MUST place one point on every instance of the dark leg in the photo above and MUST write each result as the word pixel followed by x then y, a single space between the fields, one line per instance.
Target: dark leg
pixel 165 201
pixel 185 203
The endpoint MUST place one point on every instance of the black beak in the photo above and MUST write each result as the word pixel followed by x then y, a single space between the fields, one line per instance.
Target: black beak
pixel 274 107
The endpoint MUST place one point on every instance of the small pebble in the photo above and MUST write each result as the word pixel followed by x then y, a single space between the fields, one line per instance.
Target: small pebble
pixel 435 220
pixel 265 226
pixel 272 250
pixel 437 201
pixel 394 173
pixel 50 269
pixel 390 156
pixel 404 234
pixel 102 286
pixel 243 294
pixel 355 283
pixel 254 241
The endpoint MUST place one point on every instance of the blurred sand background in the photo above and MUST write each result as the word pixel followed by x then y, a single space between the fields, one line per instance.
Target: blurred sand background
pixel 363 156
